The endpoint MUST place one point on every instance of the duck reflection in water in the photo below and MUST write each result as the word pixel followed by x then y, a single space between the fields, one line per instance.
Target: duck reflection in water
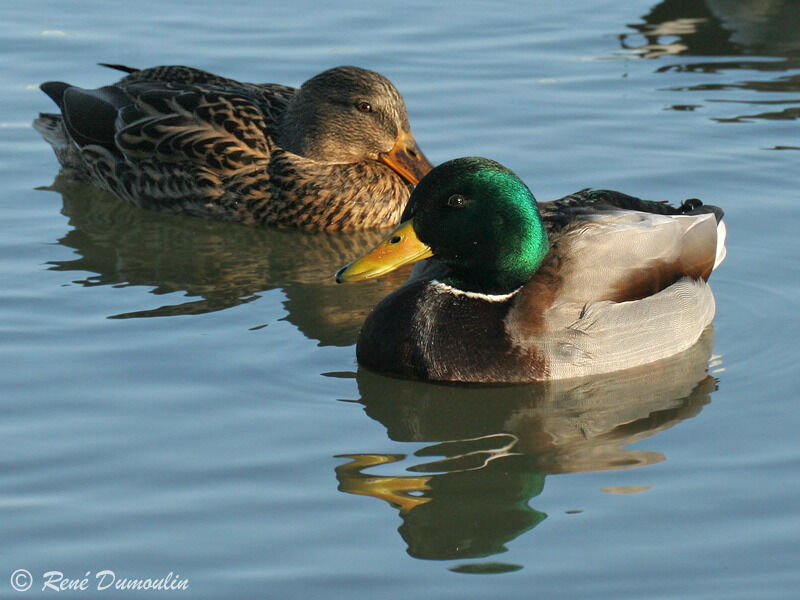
pixel 495 445
pixel 216 265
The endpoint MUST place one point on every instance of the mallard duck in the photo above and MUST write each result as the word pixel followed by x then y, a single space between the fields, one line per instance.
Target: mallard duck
pixel 336 154
pixel 595 282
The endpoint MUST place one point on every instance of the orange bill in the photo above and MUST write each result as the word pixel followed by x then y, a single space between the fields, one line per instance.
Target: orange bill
pixel 407 159
pixel 400 247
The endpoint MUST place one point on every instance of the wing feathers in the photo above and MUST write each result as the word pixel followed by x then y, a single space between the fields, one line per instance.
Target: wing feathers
pixel 618 335
pixel 626 255
pixel 218 130
pixel 619 288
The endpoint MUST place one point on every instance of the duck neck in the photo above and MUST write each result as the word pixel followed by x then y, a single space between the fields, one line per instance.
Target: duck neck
pixel 505 268
pixel 291 125
pixel 490 286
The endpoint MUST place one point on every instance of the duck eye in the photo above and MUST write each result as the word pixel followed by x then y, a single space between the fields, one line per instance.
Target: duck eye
pixel 456 201
pixel 364 107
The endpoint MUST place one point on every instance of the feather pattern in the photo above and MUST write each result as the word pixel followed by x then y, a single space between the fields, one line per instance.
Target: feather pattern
pixel 610 268
pixel 183 140
pixel 621 283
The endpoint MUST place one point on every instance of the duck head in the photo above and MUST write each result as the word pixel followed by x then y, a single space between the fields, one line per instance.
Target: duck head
pixel 475 216
pixel 349 114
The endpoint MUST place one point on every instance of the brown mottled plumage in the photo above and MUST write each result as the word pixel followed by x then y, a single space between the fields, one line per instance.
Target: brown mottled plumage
pixel 336 154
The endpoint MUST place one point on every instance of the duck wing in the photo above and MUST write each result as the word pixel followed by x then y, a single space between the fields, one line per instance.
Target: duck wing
pixel 166 122
pixel 271 98
pixel 619 287
pixel 174 123
pixel 559 213
pixel 608 253
pixel 170 146
pixel 173 74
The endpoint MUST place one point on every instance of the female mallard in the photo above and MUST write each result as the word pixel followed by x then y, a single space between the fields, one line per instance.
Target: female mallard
pixel 337 154
pixel 621 281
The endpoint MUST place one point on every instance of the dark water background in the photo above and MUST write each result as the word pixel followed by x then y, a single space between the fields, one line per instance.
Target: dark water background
pixel 179 395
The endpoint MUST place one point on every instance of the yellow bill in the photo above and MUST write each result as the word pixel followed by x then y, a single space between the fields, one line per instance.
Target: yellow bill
pixel 400 247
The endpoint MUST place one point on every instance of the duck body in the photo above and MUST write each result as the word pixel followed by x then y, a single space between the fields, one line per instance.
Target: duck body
pixel 619 282
pixel 335 154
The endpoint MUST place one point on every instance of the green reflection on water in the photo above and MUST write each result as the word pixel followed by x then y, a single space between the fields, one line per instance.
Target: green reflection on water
pixel 494 445
pixel 486 568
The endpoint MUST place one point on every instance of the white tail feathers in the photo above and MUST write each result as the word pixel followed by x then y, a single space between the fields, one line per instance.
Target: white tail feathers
pixel 721 252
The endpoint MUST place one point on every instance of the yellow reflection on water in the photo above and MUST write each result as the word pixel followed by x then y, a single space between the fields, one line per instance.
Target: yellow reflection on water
pixel 467 492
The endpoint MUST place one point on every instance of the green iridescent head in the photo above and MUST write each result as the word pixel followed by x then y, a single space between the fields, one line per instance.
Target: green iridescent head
pixel 474 215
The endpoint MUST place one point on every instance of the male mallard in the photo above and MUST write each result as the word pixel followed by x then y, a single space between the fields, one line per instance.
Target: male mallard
pixel 337 154
pixel 621 281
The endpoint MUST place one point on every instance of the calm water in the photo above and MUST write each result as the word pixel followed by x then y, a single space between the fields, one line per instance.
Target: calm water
pixel 182 396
